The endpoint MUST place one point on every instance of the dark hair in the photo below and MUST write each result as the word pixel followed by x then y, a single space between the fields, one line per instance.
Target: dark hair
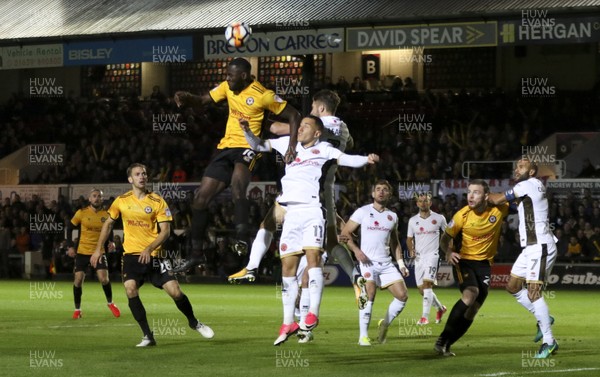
pixel 328 98
pixel 481 182
pixel 242 64
pixel 318 122
pixel 382 182
pixel 134 165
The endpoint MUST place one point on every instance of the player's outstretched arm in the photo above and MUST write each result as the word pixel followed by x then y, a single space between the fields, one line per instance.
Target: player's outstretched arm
pixel 188 99
pixel 497 198
pixel 254 141
pixel 106 229
pixel 355 161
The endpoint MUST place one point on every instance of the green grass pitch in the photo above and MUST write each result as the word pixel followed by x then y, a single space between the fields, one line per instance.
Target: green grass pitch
pixel 39 338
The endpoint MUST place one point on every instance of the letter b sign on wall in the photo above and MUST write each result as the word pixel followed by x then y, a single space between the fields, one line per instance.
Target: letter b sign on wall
pixel 371 66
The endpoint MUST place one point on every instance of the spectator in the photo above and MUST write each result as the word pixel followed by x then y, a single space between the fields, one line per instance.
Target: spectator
pixel 595 245
pixel 410 89
pixel 595 219
pixel 179 175
pixel 228 261
pixel 343 86
pixel 157 95
pixel 574 249
pixel 562 244
pixel 6 242
pixel 587 170
pixel 328 84
pixel 358 85
pixel 397 85
pixel 22 241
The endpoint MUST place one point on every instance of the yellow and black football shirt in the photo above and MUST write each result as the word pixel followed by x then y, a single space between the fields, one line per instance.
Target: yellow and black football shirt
pixel 140 219
pixel 480 233
pixel 90 224
pixel 249 104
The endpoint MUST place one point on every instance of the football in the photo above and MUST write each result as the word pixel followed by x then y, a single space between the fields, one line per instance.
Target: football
pixel 237 34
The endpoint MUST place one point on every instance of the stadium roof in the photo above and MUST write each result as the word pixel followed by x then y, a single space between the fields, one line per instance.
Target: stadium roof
pixel 23 20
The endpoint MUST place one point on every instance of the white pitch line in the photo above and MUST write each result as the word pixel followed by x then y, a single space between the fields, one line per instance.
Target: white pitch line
pixel 536 372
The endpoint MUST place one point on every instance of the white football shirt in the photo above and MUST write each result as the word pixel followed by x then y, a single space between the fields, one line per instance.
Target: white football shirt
pixel 300 184
pixel 426 232
pixel 534 227
pixel 338 134
pixel 375 230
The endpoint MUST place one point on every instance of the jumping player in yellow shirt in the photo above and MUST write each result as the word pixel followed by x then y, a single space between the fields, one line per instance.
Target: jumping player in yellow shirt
pixel 231 165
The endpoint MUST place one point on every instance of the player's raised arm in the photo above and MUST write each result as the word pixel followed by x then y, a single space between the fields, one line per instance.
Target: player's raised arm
pixel 279 128
pixel 254 141
pixel 106 230
pixel 188 99
pixel 294 118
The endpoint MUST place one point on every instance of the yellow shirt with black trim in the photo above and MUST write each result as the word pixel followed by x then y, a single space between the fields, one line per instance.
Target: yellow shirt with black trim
pixel 480 233
pixel 140 219
pixel 90 224
pixel 250 104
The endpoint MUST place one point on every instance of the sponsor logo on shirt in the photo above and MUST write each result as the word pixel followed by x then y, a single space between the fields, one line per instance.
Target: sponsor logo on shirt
pixel 138 223
pixel 483 237
pixel 376 227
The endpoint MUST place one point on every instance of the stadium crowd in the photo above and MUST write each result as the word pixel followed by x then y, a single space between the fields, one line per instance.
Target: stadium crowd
pixel 576 222
pixel 102 137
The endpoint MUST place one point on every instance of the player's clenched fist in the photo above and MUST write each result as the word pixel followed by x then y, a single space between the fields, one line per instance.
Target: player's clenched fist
pixel 180 97
pixel 372 158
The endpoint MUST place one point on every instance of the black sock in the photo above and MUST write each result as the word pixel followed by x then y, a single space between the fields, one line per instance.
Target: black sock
pixel 453 324
pixel 77 291
pixel 107 292
pixel 139 313
pixel 240 218
pixel 461 329
pixel 199 224
pixel 184 306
